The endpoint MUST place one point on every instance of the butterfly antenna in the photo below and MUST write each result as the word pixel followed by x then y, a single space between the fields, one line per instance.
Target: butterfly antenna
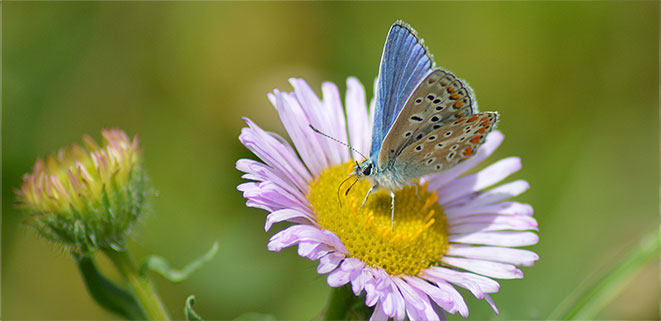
pixel 336 140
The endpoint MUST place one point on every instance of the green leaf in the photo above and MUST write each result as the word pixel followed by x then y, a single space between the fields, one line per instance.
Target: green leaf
pixel 593 300
pixel 188 310
pixel 160 265
pixel 253 316
pixel 106 293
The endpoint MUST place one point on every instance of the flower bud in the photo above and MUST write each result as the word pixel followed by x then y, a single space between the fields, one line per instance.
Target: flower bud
pixel 87 198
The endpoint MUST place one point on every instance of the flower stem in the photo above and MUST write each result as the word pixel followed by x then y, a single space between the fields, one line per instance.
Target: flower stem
pixel 604 291
pixel 142 288
pixel 340 301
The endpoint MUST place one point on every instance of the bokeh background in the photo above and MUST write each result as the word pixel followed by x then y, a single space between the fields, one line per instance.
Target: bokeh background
pixel 576 85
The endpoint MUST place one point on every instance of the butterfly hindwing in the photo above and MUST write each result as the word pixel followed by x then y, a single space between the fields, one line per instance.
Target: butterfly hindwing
pixel 404 62
pixel 440 98
pixel 446 146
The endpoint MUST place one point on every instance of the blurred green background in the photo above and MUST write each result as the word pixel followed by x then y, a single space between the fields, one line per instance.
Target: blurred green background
pixel 576 85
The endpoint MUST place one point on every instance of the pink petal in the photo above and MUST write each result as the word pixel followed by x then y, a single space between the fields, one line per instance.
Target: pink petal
pixel 358 283
pixel 491 303
pixel 417 302
pixel 338 278
pixel 307 142
pixel 329 262
pixel 335 242
pixel 312 250
pixel 333 104
pixel 501 193
pixel 475 182
pixel 272 197
pixel 295 234
pixel 388 303
pixel 277 155
pixel 407 292
pixel 498 238
pixel 477 284
pixel 428 313
pixel 515 220
pixel 287 215
pixel 352 264
pixel 480 223
pixel 458 300
pixel 260 172
pixel 494 253
pixel 379 314
pixel 321 117
pixel 400 306
pixel 372 294
pixel 360 129
pixel 393 303
pixel 487 268
pixel 456 279
pixel 505 208
pixel 440 297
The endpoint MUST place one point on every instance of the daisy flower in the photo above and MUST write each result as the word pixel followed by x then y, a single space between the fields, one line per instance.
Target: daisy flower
pixel 449 230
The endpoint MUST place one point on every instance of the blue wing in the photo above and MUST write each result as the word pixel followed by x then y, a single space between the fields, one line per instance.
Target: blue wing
pixel 404 63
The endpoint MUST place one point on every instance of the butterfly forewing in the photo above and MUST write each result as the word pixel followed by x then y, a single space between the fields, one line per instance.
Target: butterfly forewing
pixel 446 146
pixel 439 99
pixel 405 61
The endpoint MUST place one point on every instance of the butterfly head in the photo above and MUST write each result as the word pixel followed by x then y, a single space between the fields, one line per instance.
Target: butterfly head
pixel 364 169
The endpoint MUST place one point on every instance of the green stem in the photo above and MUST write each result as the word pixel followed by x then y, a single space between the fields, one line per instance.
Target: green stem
pixel 142 288
pixel 604 291
pixel 339 303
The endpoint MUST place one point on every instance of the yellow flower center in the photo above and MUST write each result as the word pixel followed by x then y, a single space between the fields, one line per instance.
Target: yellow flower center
pixel 418 239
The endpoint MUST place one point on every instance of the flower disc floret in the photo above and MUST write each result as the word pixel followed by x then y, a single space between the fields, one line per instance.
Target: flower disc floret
pixel 87 197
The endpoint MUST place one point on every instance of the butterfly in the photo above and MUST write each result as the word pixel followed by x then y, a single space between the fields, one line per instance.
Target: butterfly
pixel 425 120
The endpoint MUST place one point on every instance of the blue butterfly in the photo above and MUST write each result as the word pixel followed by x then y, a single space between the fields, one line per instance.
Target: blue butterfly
pixel 425 120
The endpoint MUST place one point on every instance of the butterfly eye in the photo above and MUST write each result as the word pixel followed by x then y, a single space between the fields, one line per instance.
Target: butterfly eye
pixel 368 170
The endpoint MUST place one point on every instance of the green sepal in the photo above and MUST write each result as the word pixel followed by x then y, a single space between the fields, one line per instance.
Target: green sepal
pixel 188 310
pixel 253 316
pixel 106 293
pixel 102 223
pixel 160 265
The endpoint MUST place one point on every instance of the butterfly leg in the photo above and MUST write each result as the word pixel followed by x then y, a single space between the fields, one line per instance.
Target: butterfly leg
pixel 368 195
pixel 392 209
pixel 416 192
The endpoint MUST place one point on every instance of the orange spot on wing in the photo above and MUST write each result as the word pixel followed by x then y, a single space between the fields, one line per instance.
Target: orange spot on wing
pixel 474 118
pixel 485 118
pixel 468 151
pixel 485 123
pixel 450 89
pixel 459 121
pixel 458 104
pixel 475 140
pixel 481 130
pixel 454 96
